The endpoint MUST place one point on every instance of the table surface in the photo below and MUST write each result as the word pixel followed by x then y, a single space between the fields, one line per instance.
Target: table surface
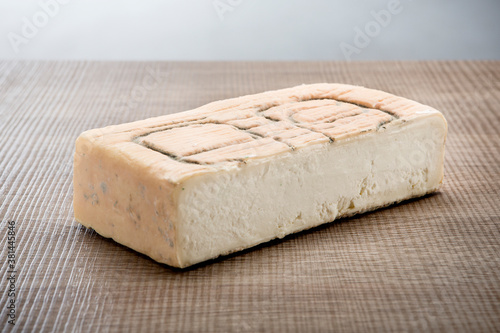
pixel 427 264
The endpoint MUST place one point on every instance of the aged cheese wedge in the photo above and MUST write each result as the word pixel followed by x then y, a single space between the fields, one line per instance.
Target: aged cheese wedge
pixel 188 187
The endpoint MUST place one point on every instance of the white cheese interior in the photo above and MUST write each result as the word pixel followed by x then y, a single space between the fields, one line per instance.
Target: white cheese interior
pixel 228 211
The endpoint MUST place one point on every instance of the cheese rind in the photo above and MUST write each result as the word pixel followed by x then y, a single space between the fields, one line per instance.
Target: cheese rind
pixel 232 174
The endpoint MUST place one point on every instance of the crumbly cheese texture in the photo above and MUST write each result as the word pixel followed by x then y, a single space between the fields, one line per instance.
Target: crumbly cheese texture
pixel 191 186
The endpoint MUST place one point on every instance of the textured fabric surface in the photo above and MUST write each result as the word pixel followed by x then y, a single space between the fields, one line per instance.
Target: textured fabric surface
pixel 427 264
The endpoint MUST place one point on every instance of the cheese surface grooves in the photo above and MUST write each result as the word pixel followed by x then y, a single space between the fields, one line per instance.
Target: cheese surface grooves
pixel 188 187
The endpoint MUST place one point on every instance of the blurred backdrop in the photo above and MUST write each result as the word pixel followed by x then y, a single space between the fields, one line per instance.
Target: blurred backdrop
pixel 250 29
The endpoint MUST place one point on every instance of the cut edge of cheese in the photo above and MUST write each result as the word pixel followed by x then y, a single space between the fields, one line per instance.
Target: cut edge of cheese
pixel 223 212
pixel 192 186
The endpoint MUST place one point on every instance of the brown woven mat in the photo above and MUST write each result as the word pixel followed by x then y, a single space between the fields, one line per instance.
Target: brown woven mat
pixel 428 264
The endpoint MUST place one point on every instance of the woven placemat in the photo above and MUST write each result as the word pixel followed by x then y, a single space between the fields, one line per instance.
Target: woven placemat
pixel 426 264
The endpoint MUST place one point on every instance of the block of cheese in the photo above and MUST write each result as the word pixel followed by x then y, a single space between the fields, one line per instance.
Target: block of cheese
pixel 188 187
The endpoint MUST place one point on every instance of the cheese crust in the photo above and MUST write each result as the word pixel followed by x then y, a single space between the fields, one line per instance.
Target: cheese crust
pixel 188 187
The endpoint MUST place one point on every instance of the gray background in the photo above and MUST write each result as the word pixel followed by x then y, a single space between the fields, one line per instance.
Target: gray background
pixel 249 30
